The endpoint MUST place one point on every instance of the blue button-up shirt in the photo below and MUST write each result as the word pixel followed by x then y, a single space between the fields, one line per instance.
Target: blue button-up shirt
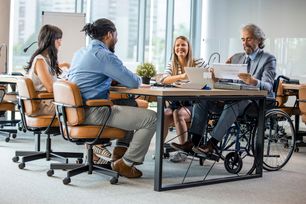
pixel 94 67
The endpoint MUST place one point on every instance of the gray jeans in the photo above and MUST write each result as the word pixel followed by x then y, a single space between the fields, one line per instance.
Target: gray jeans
pixel 142 121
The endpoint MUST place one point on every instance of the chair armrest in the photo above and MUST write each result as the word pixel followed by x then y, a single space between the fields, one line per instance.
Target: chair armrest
pixel 301 100
pixel 99 102
pixel 45 95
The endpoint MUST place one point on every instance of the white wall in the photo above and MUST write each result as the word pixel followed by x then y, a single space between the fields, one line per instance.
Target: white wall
pixel 4 29
pixel 282 21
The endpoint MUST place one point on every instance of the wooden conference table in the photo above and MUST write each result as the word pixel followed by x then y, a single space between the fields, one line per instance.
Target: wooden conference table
pixel 170 94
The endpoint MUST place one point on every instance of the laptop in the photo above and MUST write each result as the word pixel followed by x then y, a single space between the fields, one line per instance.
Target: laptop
pixel 196 78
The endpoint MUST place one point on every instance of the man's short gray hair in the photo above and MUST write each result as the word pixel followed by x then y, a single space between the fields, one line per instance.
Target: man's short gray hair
pixel 257 33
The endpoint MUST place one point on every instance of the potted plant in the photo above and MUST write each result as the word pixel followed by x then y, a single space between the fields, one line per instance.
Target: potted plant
pixel 146 71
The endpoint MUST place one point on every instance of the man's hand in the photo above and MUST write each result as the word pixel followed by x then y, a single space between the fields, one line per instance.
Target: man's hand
pixel 247 78
pixel 213 74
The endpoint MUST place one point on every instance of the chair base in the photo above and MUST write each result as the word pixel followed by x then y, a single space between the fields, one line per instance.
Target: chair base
pixel 8 134
pixel 35 155
pixel 90 167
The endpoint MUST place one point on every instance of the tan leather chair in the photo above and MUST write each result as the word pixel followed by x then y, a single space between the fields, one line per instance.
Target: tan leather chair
pixel 282 97
pixel 71 113
pixel 6 105
pixel 29 100
pixel 302 102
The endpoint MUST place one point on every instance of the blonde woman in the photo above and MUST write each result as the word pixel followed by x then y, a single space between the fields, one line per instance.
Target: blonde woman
pixel 178 113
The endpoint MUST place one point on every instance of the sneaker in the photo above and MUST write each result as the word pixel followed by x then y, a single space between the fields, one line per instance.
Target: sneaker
pixel 125 170
pixel 204 149
pixel 101 151
pixel 178 157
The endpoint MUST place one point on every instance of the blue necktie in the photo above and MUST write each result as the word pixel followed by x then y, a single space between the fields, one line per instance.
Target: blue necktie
pixel 248 62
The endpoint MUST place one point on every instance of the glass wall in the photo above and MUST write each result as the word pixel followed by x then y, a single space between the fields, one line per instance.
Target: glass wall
pixel 157 31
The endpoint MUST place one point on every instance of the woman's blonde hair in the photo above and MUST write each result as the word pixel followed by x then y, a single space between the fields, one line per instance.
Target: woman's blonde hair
pixel 175 61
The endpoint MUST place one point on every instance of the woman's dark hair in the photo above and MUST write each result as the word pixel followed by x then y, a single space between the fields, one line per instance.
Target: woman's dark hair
pixel 99 28
pixel 46 41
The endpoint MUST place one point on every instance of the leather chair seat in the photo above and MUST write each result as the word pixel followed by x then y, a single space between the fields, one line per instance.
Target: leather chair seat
pixel 290 110
pixel 7 106
pixel 41 121
pixel 91 132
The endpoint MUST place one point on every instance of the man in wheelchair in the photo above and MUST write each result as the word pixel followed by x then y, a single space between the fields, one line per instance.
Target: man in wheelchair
pixel 261 73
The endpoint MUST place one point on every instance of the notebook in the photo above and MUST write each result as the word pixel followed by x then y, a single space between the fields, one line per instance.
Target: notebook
pixel 196 78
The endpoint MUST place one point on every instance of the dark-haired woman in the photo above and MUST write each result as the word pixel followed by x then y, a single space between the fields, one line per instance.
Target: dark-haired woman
pixel 43 67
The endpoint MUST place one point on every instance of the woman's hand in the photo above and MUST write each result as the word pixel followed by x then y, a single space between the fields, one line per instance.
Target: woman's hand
pixel 247 78
pixel 184 76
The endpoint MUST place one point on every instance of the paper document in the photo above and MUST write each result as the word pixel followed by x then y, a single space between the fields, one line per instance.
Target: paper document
pixel 228 71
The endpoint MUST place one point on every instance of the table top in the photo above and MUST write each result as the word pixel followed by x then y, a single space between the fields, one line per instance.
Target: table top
pixel 162 91
pixel 6 78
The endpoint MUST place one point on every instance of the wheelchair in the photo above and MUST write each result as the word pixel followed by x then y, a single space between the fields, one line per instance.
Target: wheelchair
pixel 239 143
pixel 238 147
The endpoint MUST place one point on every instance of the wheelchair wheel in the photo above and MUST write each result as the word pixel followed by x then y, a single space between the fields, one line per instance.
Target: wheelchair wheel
pixel 233 163
pixel 237 149
pixel 279 140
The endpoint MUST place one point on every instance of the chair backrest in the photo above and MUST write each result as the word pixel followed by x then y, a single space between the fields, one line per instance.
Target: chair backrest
pixel 68 93
pixel 2 93
pixel 280 97
pixel 302 105
pixel 26 90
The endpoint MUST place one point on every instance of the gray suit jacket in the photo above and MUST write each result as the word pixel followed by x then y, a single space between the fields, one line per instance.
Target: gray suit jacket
pixel 263 68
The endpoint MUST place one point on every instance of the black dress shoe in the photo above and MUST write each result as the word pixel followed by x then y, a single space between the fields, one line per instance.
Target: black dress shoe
pixel 204 149
pixel 186 147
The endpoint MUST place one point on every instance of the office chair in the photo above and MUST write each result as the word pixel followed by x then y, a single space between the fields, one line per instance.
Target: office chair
pixel 29 100
pixel 71 113
pixel 5 106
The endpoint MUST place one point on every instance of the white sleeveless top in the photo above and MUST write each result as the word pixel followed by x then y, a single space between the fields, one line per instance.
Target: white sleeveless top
pixel 46 107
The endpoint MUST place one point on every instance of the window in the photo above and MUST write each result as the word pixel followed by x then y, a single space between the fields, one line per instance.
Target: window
pixel 124 14
pixel 27 21
pixel 155 35
pixel 181 18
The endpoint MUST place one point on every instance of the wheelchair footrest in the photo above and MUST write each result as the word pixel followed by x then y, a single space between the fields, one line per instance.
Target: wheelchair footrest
pixel 210 156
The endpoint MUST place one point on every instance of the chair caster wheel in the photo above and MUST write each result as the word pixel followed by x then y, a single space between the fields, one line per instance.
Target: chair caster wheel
pixel 114 180
pixel 66 180
pixel 13 135
pixel 21 165
pixel 15 159
pixel 50 172
pixel 7 139
pixel 79 161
